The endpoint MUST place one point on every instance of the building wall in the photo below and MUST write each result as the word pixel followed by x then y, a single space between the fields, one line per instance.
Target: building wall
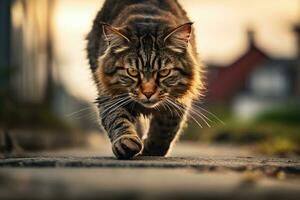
pixel 29 49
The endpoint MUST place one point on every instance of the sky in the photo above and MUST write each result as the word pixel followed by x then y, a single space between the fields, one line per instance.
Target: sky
pixel 220 27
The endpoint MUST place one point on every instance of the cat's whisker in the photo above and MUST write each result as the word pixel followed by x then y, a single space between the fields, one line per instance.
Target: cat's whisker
pixel 111 108
pixel 93 118
pixel 78 111
pixel 199 115
pixel 166 103
pixel 114 103
pixel 108 98
pixel 174 105
pixel 156 107
pixel 180 108
pixel 210 113
pixel 196 112
pixel 203 115
pixel 171 111
pixel 177 108
pixel 163 103
pixel 84 115
pixel 199 124
pixel 118 106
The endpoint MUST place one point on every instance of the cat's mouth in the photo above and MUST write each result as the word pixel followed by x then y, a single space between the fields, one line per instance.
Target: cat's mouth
pixel 149 103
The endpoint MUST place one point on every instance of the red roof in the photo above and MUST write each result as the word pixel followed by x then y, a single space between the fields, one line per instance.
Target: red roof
pixel 230 80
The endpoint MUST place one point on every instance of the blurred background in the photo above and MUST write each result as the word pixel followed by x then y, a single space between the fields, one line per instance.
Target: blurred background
pixel 251 50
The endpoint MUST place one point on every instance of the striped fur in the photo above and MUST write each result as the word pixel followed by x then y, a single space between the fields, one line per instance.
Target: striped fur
pixel 144 61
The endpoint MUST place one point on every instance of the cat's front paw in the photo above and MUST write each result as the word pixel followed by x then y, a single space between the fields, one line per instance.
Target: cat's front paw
pixel 155 148
pixel 127 146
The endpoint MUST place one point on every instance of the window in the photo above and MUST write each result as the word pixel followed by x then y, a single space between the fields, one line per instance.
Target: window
pixel 269 81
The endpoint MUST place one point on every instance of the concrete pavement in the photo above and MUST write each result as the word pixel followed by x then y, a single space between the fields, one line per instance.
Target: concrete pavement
pixel 192 172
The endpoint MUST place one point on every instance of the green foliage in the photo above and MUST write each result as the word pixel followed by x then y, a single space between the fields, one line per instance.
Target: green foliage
pixel 273 132
pixel 289 114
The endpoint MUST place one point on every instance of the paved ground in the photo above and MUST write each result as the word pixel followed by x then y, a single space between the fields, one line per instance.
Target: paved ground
pixel 192 171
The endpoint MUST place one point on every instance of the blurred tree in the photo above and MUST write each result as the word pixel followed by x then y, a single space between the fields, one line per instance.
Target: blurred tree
pixel 5 44
pixel 50 57
pixel 297 30
pixel 26 63
pixel 31 55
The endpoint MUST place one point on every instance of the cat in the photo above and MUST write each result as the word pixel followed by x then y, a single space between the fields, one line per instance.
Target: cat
pixel 144 61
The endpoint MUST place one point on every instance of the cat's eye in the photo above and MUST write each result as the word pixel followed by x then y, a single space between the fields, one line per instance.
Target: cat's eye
pixel 164 72
pixel 132 72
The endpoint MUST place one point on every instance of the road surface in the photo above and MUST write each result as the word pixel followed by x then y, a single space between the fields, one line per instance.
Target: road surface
pixel 191 172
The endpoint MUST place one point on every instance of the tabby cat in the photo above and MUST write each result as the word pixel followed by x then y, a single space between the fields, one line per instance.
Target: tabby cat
pixel 144 61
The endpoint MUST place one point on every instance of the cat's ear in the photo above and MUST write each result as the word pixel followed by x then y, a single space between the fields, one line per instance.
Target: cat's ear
pixel 114 36
pixel 178 38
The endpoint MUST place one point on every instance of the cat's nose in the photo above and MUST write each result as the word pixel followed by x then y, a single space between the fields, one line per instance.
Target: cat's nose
pixel 148 88
pixel 148 94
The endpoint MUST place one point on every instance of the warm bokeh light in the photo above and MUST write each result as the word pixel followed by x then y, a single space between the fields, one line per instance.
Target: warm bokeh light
pixel 220 26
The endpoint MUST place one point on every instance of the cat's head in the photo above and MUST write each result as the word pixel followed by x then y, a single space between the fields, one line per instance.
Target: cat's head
pixel 147 63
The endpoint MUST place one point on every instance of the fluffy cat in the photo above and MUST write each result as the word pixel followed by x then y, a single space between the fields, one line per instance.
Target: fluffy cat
pixel 144 61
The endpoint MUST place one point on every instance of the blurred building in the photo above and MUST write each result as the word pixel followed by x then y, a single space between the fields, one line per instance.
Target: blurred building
pixel 31 94
pixel 255 82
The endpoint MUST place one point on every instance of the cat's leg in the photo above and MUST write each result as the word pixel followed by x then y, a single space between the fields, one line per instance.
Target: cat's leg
pixel 142 126
pixel 164 127
pixel 119 125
